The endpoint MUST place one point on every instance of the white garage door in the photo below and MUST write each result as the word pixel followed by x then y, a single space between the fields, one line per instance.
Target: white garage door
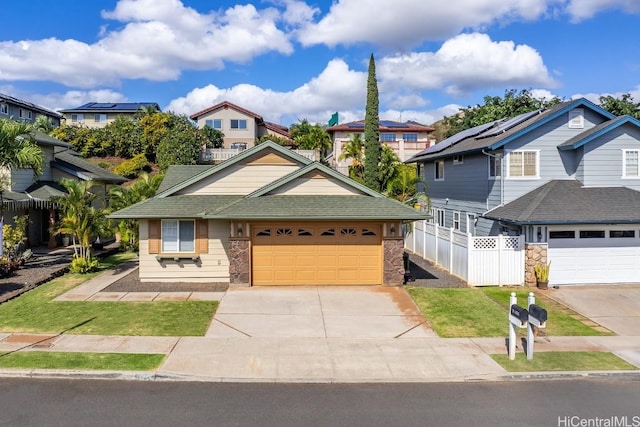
pixel 594 256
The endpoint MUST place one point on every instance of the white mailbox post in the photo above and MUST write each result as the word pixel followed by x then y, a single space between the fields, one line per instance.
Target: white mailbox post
pixel 537 319
pixel 518 318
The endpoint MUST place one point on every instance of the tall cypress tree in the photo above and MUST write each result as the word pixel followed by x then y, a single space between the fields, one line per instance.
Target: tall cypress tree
pixel 372 131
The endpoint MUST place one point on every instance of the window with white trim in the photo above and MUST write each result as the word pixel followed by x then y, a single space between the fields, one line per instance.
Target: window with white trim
pixel 630 166
pixel 523 164
pixel 214 124
pixel 410 137
pixel 440 216
pixel 178 235
pixel 456 221
pixel 387 137
pixel 4 109
pixel 77 118
pixel 439 170
pixel 495 167
pixel 458 159
pixel 100 118
pixel 576 118
pixel 238 124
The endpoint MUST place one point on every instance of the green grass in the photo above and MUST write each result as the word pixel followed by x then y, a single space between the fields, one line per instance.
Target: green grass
pixel 81 361
pixel 561 321
pixel 482 312
pixel 35 312
pixel 564 361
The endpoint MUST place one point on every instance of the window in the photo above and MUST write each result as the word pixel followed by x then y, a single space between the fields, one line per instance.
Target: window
pixel 100 118
pixel 22 113
pixel 616 234
pixel 4 109
pixel 440 216
pixel 568 234
pixel 178 235
pixel 630 167
pixel 238 124
pixel 439 170
pixel 495 167
pixel 239 146
pixel 77 118
pixel 458 159
pixel 523 164
pixel 456 221
pixel 410 137
pixel 576 118
pixel 214 124
pixel 592 234
pixel 387 137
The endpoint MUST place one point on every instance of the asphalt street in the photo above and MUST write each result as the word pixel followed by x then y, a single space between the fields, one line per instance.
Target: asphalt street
pixel 564 403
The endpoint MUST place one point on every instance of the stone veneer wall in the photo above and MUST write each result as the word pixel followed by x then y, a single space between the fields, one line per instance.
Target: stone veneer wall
pixel 239 261
pixel 393 273
pixel 534 253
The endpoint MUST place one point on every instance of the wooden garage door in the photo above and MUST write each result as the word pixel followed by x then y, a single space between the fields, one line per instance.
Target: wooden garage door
pixel 316 254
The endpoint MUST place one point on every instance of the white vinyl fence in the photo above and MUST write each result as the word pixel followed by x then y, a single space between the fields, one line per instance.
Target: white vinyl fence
pixel 480 261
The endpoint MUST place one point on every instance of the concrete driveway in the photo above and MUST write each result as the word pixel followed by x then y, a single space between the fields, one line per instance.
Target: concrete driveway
pixel 616 307
pixel 318 312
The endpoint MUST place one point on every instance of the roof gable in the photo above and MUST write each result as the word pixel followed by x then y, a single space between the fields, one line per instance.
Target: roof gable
pixel 266 148
pixel 225 104
pixel 597 131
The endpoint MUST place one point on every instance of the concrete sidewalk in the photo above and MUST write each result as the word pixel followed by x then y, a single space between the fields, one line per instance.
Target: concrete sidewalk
pixel 338 360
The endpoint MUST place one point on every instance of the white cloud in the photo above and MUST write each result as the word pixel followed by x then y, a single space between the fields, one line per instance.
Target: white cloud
pixel 298 12
pixel 466 63
pixel 585 9
pixel 403 23
pixel 595 97
pixel 336 85
pixel 160 38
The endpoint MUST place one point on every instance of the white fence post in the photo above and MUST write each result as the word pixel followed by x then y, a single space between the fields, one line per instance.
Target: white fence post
pixel 451 249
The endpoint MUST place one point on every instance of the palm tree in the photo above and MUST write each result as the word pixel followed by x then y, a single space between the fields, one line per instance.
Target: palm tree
pixel 17 150
pixel 80 220
pixel 353 150
pixel 43 124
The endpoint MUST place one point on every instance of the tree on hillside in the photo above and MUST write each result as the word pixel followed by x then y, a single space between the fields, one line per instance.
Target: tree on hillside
pixel 280 140
pixel 153 127
pixel 181 145
pixel 215 137
pixel 372 130
pixel 621 106
pixel 124 136
pixel 388 167
pixel 17 150
pixel 496 108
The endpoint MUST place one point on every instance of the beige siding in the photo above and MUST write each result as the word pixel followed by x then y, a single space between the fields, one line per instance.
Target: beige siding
pixel 240 179
pixel 214 266
pixel 320 186
pixel 231 136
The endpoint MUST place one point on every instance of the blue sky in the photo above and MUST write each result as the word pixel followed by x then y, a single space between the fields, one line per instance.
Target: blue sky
pixel 291 59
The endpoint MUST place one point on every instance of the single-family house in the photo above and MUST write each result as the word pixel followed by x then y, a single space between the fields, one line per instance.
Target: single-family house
pixel 269 216
pixel 406 139
pixel 32 195
pixel 24 111
pixel 100 114
pixel 240 126
pixel 567 178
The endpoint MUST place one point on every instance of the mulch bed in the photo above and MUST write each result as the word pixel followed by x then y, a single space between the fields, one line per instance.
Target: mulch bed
pixel 426 274
pixel 131 283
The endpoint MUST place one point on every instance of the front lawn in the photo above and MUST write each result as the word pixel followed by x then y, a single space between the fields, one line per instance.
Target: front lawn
pixel 35 312
pixel 81 361
pixel 564 361
pixel 482 312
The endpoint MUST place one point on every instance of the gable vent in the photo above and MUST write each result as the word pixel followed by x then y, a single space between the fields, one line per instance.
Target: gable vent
pixel 576 118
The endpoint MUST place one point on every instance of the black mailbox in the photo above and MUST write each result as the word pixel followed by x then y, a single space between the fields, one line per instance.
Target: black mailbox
pixel 538 313
pixel 519 313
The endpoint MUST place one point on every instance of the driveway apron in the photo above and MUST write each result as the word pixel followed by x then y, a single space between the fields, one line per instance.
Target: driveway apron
pixel 318 312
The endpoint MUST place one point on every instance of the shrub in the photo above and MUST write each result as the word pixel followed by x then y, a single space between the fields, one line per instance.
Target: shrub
pixel 83 265
pixel 133 167
pixel 5 267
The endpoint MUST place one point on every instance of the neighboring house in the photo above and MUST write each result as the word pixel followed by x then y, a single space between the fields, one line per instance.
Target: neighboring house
pixel 567 178
pixel 32 196
pixel 240 126
pixel 100 114
pixel 269 216
pixel 406 139
pixel 17 109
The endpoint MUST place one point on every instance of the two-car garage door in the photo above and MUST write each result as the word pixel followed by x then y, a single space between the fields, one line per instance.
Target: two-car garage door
pixel 594 256
pixel 316 254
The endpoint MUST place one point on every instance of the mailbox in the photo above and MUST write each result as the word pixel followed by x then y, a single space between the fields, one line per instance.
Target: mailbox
pixel 519 316
pixel 537 316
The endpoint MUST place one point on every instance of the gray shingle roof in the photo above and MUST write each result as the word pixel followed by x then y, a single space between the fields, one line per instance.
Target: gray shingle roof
pixel 594 132
pixel 568 202
pixel 69 162
pixel 479 143
pixel 186 206
pixel 176 174
pixel 44 139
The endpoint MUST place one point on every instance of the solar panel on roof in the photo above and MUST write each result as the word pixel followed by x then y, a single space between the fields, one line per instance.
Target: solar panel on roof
pixel 467 133
pixel 103 105
pixel 509 123
pixel 355 125
pixel 392 124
